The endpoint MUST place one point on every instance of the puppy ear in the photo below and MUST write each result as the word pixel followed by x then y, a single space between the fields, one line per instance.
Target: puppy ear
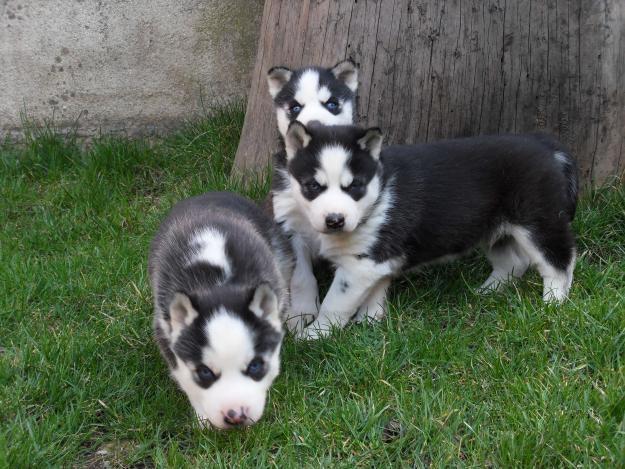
pixel 347 72
pixel 265 305
pixel 277 77
pixel 371 142
pixel 297 137
pixel 181 313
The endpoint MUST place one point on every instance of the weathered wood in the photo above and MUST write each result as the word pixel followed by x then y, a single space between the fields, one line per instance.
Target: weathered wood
pixel 447 68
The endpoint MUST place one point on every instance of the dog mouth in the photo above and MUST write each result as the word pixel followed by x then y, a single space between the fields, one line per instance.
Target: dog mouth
pixel 333 231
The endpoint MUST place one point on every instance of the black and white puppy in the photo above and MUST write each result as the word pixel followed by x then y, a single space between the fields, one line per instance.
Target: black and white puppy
pixel 219 270
pixel 375 213
pixel 328 96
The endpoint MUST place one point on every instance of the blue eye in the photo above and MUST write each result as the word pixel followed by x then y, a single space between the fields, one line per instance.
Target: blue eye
pixel 205 373
pixel 295 109
pixel 331 105
pixel 256 368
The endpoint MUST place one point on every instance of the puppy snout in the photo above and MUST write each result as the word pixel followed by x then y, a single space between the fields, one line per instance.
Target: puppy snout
pixel 335 221
pixel 235 418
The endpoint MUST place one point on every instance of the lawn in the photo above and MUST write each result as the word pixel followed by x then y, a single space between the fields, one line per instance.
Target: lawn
pixel 448 378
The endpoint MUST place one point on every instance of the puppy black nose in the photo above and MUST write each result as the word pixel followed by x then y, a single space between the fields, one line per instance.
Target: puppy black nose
pixel 335 221
pixel 234 418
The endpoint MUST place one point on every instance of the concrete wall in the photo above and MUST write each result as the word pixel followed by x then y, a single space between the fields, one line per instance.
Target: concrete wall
pixel 133 66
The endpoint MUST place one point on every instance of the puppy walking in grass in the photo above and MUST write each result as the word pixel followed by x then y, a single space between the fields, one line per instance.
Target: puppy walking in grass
pixel 219 271
pixel 375 213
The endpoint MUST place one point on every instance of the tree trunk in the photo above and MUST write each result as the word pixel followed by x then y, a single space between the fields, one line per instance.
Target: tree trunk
pixel 449 68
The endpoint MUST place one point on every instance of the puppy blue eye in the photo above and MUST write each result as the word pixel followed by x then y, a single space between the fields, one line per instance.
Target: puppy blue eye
pixel 205 373
pixel 295 109
pixel 332 105
pixel 256 368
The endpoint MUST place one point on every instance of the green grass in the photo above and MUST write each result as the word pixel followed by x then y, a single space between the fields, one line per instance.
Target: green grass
pixel 460 380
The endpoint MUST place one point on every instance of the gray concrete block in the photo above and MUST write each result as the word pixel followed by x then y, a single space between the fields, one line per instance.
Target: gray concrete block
pixel 136 67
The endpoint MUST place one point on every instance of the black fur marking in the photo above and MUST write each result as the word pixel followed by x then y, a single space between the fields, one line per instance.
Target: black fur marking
pixel 192 339
pixel 344 286
pixel 451 195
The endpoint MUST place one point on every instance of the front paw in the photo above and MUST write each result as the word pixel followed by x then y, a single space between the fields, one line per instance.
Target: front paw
pixel 370 313
pixel 302 312
pixel 315 331
pixel 297 322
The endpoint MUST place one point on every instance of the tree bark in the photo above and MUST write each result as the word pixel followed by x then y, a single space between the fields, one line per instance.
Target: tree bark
pixel 449 68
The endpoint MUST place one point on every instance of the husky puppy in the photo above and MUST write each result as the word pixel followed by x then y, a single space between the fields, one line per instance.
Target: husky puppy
pixel 326 95
pixel 375 213
pixel 219 271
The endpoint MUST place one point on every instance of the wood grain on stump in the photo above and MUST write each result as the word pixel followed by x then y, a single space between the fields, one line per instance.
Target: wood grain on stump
pixel 449 68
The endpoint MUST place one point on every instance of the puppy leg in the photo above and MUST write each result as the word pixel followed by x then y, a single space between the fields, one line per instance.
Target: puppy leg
pixel 374 307
pixel 353 283
pixel 508 261
pixel 349 289
pixel 552 251
pixel 304 289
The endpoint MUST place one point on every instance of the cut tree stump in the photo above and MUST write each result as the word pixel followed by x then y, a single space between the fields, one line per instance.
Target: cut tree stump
pixel 450 68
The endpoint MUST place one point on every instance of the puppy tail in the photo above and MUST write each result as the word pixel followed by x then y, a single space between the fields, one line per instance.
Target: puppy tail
pixel 569 169
pixel 568 165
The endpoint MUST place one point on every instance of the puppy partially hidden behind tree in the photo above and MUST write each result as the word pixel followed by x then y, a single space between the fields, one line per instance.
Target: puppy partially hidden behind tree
pixel 375 212
pixel 219 270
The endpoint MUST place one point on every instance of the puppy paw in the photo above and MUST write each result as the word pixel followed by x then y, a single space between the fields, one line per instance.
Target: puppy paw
pixel 370 313
pixel 315 331
pixel 297 322
pixel 491 284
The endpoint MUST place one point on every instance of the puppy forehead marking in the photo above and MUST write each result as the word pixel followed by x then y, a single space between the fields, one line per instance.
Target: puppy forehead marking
pixel 324 94
pixel 230 342
pixel 321 178
pixel 346 178
pixel 210 246
pixel 333 163
pixel 308 87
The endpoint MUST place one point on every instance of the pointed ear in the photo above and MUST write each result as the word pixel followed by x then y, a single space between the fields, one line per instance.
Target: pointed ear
pixel 297 137
pixel 347 72
pixel 371 142
pixel 265 305
pixel 181 313
pixel 277 77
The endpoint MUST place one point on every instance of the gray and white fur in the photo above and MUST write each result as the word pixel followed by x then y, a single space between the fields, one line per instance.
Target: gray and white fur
pixel 219 270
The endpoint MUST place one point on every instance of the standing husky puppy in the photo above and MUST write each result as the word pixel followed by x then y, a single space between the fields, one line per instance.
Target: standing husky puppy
pixel 328 96
pixel 219 268
pixel 375 213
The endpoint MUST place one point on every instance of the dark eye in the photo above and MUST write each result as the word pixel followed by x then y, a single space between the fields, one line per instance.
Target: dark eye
pixel 256 369
pixel 205 374
pixel 295 109
pixel 331 105
pixel 312 186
